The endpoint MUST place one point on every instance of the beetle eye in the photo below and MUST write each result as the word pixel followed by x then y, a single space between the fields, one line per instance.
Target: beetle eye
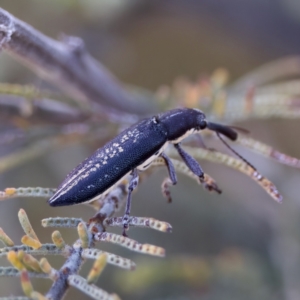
pixel 202 124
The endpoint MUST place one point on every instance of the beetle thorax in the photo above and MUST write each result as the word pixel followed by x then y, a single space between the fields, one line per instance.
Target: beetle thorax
pixel 180 123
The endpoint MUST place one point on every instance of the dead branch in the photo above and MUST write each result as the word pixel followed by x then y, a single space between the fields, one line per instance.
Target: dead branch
pixel 68 65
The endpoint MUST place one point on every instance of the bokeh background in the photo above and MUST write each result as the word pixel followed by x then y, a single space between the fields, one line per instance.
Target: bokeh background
pixel 240 245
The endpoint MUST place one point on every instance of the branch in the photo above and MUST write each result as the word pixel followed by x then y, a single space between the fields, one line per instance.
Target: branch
pixel 75 260
pixel 68 65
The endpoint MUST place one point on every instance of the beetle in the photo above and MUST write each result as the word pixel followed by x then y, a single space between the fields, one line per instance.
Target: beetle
pixel 131 151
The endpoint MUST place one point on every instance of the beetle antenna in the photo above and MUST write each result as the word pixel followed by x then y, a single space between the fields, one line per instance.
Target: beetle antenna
pixel 200 141
pixel 235 152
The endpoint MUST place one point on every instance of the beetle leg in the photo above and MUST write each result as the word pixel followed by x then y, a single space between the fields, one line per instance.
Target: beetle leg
pixel 168 181
pixel 171 169
pixel 192 164
pixel 132 185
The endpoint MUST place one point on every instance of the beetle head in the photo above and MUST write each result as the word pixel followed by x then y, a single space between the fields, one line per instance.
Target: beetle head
pixel 201 124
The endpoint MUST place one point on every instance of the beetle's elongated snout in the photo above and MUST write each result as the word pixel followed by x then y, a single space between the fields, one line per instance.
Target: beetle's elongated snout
pixel 225 130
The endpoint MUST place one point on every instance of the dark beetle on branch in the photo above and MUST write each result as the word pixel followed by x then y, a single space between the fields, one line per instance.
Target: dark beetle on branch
pixel 132 150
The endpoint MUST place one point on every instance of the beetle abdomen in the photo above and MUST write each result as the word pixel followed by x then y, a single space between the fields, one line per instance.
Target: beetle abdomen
pixel 109 164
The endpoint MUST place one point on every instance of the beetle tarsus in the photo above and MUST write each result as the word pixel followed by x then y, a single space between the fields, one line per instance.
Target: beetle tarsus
pixel 165 188
pixel 132 185
pixel 125 225
pixel 192 164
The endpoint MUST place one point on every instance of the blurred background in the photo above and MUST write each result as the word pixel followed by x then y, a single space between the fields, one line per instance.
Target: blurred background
pixel 238 245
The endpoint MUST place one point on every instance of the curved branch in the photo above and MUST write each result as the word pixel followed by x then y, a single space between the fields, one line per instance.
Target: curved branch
pixel 68 65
